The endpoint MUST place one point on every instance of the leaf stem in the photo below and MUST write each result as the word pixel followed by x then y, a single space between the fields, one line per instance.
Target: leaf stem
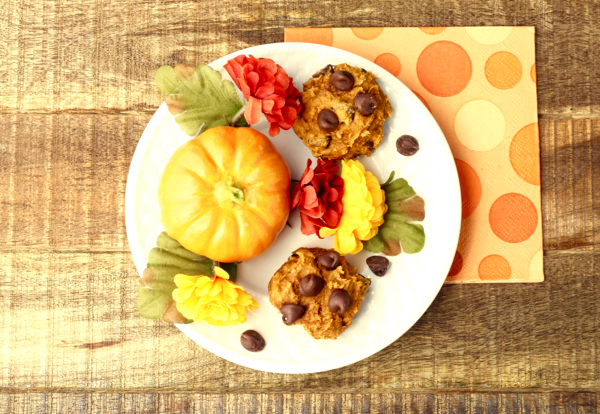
pixel 238 115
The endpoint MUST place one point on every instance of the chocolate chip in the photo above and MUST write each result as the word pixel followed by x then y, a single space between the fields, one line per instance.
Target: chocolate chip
pixel 407 145
pixel 378 265
pixel 327 120
pixel 364 70
pixel 342 80
pixel 365 103
pixel 370 144
pixel 292 312
pixel 252 341
pixel 311 285
pixel 323 71
pixel 339 301
pixel 329 260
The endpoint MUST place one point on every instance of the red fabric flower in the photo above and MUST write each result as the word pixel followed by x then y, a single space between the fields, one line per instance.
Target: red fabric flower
pixel 268 89
pixel 319 197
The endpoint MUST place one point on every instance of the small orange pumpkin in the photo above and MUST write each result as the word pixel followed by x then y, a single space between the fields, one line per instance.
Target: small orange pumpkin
pixel 225 194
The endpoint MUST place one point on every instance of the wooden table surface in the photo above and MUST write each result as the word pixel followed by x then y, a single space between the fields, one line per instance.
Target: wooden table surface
pixel 76 91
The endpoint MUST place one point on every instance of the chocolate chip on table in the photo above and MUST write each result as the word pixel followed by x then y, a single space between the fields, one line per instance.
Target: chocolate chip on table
pixel 252 341
pixel 365 103
pixel 407 145
pixel 327 120
pixel 342 80
pixel 292 312
pixel 378 265
pixel 329 260
pixel 328 68
pixel 339 301
pixel 311 285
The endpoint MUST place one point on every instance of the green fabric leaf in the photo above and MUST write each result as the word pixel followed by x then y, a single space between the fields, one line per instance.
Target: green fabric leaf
pixel 199 98
pixel 399 232
pixel 168 259
pixel 151 303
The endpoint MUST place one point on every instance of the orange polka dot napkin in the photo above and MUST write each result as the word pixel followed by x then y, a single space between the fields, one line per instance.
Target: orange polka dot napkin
pixel 480 85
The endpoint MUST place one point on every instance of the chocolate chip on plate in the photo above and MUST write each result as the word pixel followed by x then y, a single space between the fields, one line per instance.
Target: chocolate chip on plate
pixel 342 80
pixel 292 312
pixel 311 285
pixel 339 301
pixel 378 265
pixel 327 120
pixel 365 103
pixel 407 145
pixel 252 341
pixel 323 71
pixel 329 260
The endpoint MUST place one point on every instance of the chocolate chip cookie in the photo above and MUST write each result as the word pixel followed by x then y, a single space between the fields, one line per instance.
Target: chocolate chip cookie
pixel 318 289
pixel 343 113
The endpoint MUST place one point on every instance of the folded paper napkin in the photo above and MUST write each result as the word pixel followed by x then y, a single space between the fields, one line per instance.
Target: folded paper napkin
pixel 480 85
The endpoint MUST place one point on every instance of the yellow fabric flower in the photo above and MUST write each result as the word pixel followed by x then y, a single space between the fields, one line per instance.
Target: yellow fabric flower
pixel 364 207
pixel 216 300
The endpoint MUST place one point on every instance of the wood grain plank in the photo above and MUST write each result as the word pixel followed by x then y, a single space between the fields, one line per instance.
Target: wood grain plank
pixel 100 56
pixel 63 180
pixel 63 177
pixel 570 150
pixel 321 403
pixel 73 326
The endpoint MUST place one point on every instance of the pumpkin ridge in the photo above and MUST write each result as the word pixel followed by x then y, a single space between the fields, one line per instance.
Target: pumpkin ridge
pixel 199 177
pixel 262 215
pixel 209 158
pixel 181 229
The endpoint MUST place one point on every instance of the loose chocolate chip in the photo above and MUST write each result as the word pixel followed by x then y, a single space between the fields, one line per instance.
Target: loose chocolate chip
pixel 329 260
pixel 378 265
pixel 327 120
pixel 311 285
pixel 342 80
pixel 252 341
pixel 407 145
pixel 365 103
pixel 339 301
pixel 292 312
pixel 323 71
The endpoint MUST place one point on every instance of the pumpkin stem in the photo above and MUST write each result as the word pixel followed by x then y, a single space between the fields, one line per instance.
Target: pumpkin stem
pixel 229 193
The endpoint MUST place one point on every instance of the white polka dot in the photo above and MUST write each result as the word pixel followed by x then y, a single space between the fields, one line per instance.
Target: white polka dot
pixel 489 35
pixel 536 266
pixel 479 125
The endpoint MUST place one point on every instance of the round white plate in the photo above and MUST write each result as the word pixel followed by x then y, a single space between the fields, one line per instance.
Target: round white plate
pixel 394 302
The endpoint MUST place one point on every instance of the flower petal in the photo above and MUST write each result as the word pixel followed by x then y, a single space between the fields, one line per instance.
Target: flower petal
pixel 221 273
pixel 253 110
pixel 264 91
pixel 273 129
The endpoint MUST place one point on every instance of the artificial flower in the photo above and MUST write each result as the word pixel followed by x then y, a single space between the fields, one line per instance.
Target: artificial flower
pixel 364 207
pixel 318 196
pixel 216 300
pixel 268 89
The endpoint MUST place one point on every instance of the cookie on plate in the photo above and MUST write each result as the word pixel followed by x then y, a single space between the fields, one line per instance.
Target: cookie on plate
pixel 343 113
pixel 318 289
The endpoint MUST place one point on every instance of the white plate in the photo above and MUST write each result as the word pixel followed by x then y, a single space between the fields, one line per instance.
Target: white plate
pixel 394 302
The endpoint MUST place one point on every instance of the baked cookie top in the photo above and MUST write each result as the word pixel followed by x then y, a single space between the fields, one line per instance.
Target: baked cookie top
pixel 343 113
pixel 324 307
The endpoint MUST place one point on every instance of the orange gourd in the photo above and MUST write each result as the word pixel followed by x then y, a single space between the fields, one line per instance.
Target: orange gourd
pixel 225 194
